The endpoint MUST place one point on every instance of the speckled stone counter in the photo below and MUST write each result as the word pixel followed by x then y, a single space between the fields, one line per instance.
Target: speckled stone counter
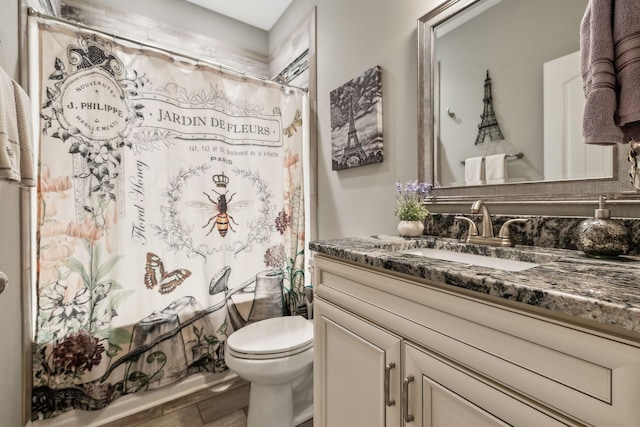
pixel 565 281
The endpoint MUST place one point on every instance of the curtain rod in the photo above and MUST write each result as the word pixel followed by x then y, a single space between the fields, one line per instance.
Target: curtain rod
pixel 33 13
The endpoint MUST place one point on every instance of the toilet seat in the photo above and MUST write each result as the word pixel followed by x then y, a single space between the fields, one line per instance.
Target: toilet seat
pixel 273 338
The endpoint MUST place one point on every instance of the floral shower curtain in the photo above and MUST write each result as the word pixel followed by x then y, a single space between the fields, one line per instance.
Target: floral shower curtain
pixel 170 213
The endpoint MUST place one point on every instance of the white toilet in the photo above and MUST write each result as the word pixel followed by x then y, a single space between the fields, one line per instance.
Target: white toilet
pixel 276 356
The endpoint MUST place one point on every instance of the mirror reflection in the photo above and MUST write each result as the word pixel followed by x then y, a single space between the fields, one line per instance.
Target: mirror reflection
pixel 507 94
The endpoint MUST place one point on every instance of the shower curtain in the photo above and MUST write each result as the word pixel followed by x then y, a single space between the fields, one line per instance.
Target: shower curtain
pixel 170 213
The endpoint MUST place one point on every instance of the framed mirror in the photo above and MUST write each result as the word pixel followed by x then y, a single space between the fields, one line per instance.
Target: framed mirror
pixel 515 64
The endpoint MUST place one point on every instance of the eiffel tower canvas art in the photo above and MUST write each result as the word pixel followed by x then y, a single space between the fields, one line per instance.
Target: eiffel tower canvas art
pixel 356 121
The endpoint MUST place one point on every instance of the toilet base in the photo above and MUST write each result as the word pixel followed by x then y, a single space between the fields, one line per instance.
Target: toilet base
pixel 303 397
pixel 282 405
pixel 270 406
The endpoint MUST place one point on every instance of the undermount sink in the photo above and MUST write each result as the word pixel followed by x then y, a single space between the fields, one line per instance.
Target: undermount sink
pixel 472 259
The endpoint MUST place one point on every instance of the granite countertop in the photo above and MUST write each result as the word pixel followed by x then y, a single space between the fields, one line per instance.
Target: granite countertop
pixel 565 281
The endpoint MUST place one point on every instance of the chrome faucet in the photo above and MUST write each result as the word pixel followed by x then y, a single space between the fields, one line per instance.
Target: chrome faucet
pixel 487 238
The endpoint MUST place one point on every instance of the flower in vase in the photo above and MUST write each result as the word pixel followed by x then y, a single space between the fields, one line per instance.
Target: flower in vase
pixel 410 198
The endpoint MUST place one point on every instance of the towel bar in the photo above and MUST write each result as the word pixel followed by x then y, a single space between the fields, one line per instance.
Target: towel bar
pixel 508 156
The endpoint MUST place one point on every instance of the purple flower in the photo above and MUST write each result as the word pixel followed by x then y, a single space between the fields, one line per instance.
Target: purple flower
pixel 412 190
pixel 282 221
pixel 424 188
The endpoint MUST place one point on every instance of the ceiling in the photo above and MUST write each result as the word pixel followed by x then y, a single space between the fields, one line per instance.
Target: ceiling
pixel 258 13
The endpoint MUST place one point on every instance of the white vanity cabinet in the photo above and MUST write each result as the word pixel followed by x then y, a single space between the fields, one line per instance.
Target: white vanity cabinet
pixel 392 351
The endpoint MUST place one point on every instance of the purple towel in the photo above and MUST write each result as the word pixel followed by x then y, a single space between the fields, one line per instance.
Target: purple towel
pixel 610 57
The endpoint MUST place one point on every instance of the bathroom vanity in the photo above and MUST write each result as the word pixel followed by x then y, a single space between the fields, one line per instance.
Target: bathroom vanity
pixel 402 339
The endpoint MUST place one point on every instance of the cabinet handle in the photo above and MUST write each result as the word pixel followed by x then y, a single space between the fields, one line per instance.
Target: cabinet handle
pixel 387 375
pixel 405 398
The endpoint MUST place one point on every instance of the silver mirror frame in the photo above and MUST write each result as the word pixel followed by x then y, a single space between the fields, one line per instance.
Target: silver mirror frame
pixel 571 192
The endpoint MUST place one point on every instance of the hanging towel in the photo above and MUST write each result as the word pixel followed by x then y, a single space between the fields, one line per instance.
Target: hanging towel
pixel 16 139
pixel 495 169
pixel 474 171
pixel 610 61
pixel 25 135
pixel 9 137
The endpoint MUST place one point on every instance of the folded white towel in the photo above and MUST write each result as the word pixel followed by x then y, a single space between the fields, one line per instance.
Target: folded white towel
pixel 16 136
pixel 474 171
pixel 495 168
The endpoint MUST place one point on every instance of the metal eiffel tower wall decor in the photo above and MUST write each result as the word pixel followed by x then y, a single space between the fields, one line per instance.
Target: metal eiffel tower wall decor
pixel 489 124
pixel 356 121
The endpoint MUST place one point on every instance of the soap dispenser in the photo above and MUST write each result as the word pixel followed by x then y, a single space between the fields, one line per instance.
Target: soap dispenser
pixel 601 236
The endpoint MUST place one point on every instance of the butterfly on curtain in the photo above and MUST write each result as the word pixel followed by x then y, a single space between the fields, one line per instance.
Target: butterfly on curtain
pixel 155 275
pixel 293 127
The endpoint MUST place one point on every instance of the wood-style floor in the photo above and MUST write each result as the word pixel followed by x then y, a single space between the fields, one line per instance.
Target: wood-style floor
pixel 205 408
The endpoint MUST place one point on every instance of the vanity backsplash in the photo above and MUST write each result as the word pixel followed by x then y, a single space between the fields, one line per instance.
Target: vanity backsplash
pixel 542 231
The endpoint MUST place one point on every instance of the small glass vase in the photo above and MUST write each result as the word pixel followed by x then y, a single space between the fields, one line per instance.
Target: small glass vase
pixel 410 228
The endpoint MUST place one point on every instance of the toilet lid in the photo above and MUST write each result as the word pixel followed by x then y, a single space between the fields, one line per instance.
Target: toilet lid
pixel 278 335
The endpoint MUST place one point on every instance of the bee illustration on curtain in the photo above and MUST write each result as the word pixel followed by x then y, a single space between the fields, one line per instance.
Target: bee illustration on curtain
pixel 155 275
pixel 219 208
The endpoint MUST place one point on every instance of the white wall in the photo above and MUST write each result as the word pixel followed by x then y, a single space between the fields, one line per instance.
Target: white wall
pixel 352 36
pixel 195 19
pixel 10 320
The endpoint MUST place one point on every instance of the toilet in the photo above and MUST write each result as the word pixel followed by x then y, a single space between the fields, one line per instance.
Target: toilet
pixel 276 356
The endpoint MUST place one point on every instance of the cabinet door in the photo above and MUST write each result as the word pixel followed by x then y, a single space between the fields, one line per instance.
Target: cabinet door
pixel 356 371
pixel 441 394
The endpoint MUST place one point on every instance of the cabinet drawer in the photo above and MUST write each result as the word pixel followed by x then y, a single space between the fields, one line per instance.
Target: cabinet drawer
pixel 444 395
pixel 576 371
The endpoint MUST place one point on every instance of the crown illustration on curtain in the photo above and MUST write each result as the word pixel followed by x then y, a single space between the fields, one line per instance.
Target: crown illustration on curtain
pixel 220 180
pixel 489 124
